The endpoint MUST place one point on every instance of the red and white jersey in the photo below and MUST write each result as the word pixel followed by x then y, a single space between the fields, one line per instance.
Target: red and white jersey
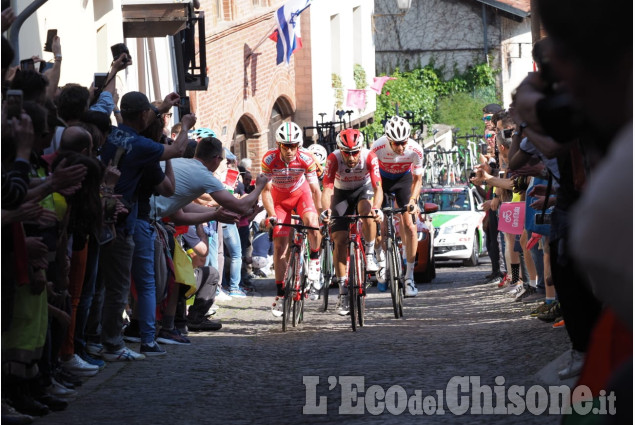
pixel 393 166
pixel 289 177
pixel 340 175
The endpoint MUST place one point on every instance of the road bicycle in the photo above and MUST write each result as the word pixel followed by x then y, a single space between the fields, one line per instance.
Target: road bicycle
pixel 296 284
pixel 326 257
pixel 356 268
pixel 394 260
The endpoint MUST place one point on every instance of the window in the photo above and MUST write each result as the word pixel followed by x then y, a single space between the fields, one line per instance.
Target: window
pixel 223 10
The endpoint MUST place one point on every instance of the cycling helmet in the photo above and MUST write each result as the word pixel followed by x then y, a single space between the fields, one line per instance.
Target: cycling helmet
pixel 350 140
pixel 289 133
pixel 204 132
pixel 319 152
pixel 397 129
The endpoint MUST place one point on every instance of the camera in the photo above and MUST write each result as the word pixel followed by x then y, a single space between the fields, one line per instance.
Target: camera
pixel 14 103
pixel 110 208
pixel 184 106
pixel 100 80
pixel 541 218
pixel 118 49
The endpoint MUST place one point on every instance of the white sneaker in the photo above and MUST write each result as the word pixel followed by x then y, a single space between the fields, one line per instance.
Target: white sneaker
pixel 94 349
pixel 221 295
pixel 381 258
pixel 121 355
pixel 277 307
pixel 314 270
pixel 371 264
pixel 574 367
pixel 344 309
pixel 58 390
pixel 516 289
pixel 411 289
pixel 77 366
pixel 313 294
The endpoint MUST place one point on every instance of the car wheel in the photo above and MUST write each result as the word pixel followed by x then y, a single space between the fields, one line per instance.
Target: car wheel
pixel 473 260
pixel 429 273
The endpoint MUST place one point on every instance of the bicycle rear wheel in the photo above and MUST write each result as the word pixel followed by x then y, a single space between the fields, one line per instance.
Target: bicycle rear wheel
pixel 393 277
pixel 353 284
pixel 289 287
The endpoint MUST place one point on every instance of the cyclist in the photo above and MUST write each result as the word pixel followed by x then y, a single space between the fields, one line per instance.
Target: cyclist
pixel 401 167
pixel 319 155
pixel 293 185
pixel 351 183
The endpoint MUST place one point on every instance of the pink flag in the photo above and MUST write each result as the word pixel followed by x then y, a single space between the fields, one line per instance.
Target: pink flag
pixel 356 98
pixel 511 217
pixel 378 83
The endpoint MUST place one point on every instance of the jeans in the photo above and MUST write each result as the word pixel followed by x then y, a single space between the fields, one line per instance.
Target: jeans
pixel 494 250
pixel 234 251
pixel 538 257
pixel 143 277
pixel 88 292
pixel 115 262
pixel 207 281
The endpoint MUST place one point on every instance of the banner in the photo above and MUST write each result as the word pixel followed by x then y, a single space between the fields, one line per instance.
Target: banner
pixel 356 98
pixel 378 83
pixel 511 217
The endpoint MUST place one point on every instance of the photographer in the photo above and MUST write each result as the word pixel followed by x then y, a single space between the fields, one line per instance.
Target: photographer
pixel 581 118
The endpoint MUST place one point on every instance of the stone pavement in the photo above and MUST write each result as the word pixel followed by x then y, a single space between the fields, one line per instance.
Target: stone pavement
pixel 252 372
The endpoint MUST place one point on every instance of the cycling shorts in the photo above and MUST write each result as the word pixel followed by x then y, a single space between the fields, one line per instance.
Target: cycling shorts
pixel 401 187
pixel 345 203
pixel 300 200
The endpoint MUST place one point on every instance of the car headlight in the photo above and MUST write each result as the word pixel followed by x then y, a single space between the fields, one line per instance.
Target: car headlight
pixel 457 228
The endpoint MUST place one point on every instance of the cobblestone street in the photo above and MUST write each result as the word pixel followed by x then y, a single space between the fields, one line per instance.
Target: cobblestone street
pixel 251 372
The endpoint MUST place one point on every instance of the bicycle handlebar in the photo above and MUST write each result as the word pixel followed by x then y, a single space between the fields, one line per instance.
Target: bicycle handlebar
pixel 350 217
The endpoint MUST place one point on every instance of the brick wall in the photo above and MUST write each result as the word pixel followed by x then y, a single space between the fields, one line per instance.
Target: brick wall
pixel 242 87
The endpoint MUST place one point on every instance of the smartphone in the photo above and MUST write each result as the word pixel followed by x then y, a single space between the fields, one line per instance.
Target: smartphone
pixel 45 66
pixel 14 103
pixel 540 219
pixel 483 148
pixel 184 107
pixel 50 35
pixel 100 80
pixel 27 65
pixel 118 49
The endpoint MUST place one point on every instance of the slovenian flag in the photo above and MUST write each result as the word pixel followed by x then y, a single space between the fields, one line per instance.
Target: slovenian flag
pixel 287 36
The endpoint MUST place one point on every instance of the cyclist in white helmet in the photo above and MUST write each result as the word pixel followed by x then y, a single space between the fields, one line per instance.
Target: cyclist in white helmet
pixel 401 167
pixel 293 185
pixel 319 155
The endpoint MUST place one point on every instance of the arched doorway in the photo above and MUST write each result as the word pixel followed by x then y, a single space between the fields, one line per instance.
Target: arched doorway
pixel 280 112
pixel 245 130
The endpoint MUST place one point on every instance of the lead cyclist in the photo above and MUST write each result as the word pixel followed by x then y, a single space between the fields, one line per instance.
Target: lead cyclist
pixel 401 168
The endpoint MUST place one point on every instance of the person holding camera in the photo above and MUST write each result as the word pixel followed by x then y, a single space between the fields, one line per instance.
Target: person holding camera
pixel 132 153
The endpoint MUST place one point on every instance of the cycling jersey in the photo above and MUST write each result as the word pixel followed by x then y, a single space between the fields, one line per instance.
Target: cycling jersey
pixel 393 166
pixel 289 177
pixel 340 175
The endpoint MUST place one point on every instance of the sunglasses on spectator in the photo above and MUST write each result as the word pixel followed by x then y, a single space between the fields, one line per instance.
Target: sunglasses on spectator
pixel 288 147
pixel 399 143
pixel 489 136
pixel 487 118
pixel 354 153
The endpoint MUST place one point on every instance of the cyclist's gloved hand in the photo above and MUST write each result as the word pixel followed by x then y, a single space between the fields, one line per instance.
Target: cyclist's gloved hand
pixel 325 216
pixel 379 214
pixel 273 220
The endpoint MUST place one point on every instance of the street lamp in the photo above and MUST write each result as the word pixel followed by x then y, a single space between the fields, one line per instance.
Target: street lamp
pixel 404 5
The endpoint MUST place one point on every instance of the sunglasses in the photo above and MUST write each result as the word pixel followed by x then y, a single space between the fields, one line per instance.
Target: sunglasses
pixel 288 147
pixel 399 143
pixel 490 136
pixel 354 153
pixel 487 118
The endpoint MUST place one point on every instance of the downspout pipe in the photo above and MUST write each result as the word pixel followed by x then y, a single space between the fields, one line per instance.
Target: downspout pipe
pixel 17 24
pixel 485 46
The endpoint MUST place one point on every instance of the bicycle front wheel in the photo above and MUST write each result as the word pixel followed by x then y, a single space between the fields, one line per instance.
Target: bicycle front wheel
pixel 327 269
pixel 361 291
pixel 353 284
pixel 290 287
pixel 393 278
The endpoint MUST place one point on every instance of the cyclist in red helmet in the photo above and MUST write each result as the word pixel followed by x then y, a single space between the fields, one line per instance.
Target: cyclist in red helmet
pixel 352 185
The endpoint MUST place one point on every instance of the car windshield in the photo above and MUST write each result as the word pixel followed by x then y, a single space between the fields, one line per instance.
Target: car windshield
pixel 448 200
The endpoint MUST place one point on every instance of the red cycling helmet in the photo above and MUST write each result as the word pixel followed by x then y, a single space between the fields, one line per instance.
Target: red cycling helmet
pixel 350 140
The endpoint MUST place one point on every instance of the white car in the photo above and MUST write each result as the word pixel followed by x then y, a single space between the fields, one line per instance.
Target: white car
pixel 458 224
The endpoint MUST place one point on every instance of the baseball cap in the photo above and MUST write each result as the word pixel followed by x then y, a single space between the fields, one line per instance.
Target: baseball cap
pixel 229 155
pixel 134 101
pixel 492 108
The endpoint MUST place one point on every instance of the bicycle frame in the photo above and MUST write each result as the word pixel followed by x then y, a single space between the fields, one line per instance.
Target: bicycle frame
pixel 393 256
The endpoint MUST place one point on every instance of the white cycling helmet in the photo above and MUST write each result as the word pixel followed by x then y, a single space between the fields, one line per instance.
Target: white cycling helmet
pixel 397 129
pixel 289 133
pixel 319 152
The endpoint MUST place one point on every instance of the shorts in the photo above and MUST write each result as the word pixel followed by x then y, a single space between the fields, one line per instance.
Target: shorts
pixel 345 203
pixel 401 187
pixel 284 203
